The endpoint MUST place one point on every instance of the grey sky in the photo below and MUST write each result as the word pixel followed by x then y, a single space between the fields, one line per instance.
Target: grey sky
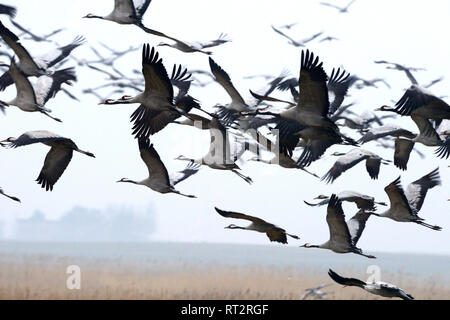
pixel 403 31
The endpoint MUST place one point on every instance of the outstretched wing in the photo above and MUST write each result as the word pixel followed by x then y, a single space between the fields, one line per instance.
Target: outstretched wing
pixel 414 98
pixel 357 224
pixel 398 200
pixel 55 164
pixel 156 168
pixel 345 281
pixel 338 84
pixel 141 7
pixel 343 164
pixel 225 81
pixel 124 8
pixel 417 190
pixel 157 81
pixel 55 56
pixel 313 85
pixel 48 86
pixel 31 137
pixel 237 215
pixel 10 11
pixel 403 148
pixel 339 232
pixel 191 169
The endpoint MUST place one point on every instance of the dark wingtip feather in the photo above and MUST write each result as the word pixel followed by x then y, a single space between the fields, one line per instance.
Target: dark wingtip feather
pixel 443 151
pixel 221 212
pixel 310 204
pixel 8 33
pixel 333 275
pixel 310 64
pixel 334 201
pixel 45 184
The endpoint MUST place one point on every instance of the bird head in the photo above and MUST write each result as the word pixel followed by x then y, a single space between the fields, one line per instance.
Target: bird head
pixel 90 15
pixel 384 108
pixel 108 101
pixel 256 158
pixel 124 180
pixel 6 142
pixel 126 97
pixel 338 154
pixel 232 226
pixel 321 197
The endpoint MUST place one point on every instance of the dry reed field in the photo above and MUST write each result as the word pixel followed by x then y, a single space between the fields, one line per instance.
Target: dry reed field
pixel 44 277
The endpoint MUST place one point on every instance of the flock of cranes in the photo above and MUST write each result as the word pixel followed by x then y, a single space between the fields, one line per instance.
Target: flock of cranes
pixel 310 122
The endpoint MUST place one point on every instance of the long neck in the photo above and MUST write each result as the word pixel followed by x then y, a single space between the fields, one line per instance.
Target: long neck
pixel 92 16
pixel 129 181
pixel 314 246
pixel 135 99
pixel 237 227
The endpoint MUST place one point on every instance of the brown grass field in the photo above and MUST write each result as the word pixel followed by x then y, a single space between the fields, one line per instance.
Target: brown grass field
pixel 41 277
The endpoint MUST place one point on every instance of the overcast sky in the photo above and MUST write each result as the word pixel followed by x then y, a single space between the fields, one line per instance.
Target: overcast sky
pixel 408 32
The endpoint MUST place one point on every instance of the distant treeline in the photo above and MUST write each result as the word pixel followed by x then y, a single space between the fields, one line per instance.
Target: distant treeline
pixel 82 224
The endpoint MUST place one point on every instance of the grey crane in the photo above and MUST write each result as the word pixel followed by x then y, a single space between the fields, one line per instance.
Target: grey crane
pixel 278 158
pixel 408 70
pixel 297 43
pixel 230 112
pixel 273 232
pixel 31 98
pixel 417 101
pixel 128 12
pixel 190 47
pixel 57 159
pixel 361 83
pixel 389 130
pixel 33 36
pixel 404 206
pixel 315 293
pixel 309 119
pixel 158 95
pixel 340 9
pixel 343 235
pixel 348 160
pixel 158 178
pixel 362 201
pixel 378 288
pixel 219 156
